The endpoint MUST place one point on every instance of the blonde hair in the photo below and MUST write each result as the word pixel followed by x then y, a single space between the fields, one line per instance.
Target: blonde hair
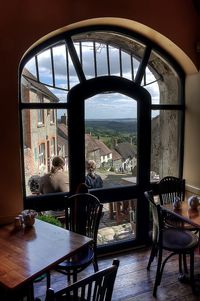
pixel 91 164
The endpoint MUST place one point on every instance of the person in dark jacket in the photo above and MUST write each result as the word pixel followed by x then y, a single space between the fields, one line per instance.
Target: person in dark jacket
pixel 92 180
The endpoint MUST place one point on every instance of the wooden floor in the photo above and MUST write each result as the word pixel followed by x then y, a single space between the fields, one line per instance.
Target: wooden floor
pixel 134 282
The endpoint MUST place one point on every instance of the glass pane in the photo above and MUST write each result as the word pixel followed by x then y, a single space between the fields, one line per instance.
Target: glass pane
pixel 165 144
pixel 167 78
pixel 60 66
pixel 101 59
pixel 45 67
pixel 61 95
pixel 126 65
pixel 151 85
pixel 118 222
pixel 135 64
pixel 73 78
pixel 111 138
pixel 30 66
pixel 88 59
pixel 42 142
pixel 114 61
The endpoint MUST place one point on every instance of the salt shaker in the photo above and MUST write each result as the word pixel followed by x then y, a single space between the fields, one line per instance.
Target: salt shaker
pixel 18 222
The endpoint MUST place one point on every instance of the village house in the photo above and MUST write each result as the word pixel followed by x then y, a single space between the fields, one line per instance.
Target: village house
pixel 40 128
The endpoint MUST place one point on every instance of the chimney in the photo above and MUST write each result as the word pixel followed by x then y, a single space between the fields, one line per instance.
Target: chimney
pixel 64 119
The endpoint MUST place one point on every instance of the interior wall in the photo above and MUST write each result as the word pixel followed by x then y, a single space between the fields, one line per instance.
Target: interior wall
pixel 23 22
pixel 192 134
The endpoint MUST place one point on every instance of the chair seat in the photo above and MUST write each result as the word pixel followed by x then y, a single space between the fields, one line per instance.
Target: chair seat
pixel 77 261
pixel 178 240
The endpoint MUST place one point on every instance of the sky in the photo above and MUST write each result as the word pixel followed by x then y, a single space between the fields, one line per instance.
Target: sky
pixel 101 106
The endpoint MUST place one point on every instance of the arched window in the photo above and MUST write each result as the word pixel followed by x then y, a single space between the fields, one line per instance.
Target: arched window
pixel 109 120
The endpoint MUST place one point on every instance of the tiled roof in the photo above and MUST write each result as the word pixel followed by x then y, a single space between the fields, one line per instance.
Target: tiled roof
pixel 104 150
pixel 38 86
pixel 115 155
pixel 90 143
pixel 126 150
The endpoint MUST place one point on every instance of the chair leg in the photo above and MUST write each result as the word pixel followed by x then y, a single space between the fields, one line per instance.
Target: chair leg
pixel 180 264
pixel 192 280
pixel 152 256
pixel 199 242
pixel 158 272
pixel 95 264
pixel 74 276
pixel 185 264
pixel 30 296
pixel 48 279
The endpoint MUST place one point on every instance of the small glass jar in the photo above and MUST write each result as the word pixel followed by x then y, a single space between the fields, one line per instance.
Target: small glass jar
pixel 18 222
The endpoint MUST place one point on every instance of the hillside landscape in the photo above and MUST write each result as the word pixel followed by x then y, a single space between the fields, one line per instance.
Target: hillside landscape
pixel 112 130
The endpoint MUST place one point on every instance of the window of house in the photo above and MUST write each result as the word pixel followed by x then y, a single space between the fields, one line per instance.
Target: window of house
pixel 41 113
pixel 108 124
pixel 53 147
pixel 42 154
pixel 52 116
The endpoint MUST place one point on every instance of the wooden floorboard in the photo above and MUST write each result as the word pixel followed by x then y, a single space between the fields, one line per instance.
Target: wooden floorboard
pixel 134 282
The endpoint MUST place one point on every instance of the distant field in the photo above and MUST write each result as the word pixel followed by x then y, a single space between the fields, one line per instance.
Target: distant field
pixel 111 126
pixel 110 130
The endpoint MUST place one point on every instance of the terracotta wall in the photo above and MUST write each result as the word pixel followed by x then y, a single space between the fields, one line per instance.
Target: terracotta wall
pixel 23 22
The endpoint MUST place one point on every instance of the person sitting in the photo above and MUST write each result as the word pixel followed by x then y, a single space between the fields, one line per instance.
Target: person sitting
pixel 56 180
pixel 92 180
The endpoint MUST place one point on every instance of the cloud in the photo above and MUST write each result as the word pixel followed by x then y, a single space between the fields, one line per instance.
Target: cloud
pixel 103 105
pixel 110 106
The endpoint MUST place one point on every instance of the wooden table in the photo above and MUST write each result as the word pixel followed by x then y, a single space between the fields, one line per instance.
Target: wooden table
pixel 31 251
pixel 187 214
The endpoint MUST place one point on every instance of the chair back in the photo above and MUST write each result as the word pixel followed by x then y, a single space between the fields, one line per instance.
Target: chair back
pixel 157 217
pixel 96 287
pixel 83 214
pixel 170 188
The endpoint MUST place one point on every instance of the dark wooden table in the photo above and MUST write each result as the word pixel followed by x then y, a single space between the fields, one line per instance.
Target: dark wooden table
pixel 29 252
pixel 187 214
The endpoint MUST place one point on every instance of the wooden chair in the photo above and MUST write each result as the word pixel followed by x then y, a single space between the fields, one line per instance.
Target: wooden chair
pixel 169 189
pixel 83 213
pixel 98 286
pixel 175 240
pixel 25 292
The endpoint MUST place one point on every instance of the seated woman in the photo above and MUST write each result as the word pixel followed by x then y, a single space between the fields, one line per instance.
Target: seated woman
pixel 92 180
pixel 56 180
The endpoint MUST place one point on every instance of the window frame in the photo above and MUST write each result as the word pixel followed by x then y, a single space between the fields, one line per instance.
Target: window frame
pixel 180 106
